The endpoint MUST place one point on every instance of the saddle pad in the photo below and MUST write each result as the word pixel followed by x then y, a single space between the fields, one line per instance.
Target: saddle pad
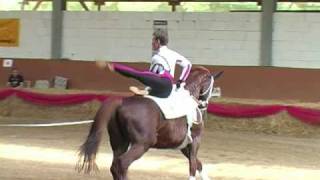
pixel 179 103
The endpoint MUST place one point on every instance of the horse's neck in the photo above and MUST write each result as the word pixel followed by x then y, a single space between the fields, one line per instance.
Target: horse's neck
pixel 195 80
pixel 194 88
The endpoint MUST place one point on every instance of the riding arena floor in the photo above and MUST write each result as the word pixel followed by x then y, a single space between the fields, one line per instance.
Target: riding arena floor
pixel 256 149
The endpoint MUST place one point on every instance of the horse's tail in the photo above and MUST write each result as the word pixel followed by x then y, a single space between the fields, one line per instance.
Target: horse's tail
pixel 89 148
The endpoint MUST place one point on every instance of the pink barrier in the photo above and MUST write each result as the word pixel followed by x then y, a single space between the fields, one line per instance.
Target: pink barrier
pixel 51 99
pixel 307 115
pixel 243 111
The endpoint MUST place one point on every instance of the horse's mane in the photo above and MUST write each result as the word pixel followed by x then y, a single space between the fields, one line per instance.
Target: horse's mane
pixel 197 75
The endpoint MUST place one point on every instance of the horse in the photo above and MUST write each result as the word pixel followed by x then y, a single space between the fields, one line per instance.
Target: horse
pixel 135 124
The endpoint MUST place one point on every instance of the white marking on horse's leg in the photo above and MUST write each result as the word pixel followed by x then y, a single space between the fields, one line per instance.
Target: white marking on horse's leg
pixel 129 147
pixel 189 134
pixel 189 124
pixel 204 175
pixel 192 178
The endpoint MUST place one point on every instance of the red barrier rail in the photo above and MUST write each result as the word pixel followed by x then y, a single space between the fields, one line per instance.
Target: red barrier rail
pixel 307 115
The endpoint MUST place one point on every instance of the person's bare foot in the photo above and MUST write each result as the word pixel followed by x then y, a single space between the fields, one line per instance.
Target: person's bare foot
pixel 110 66
pixel 101 64
pixel 138 91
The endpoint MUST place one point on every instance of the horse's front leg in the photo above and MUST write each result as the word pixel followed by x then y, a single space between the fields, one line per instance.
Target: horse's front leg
pixel 191 153
pixel 192 168
pixel 195 164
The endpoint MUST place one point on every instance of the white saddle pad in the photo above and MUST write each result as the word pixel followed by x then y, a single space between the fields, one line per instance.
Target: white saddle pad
pixel 179 103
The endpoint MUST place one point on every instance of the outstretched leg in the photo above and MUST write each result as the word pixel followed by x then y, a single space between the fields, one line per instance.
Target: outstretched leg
pixel 160 85
pixel 120 164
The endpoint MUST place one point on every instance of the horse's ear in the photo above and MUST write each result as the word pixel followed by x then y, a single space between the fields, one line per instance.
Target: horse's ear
pixel 216 76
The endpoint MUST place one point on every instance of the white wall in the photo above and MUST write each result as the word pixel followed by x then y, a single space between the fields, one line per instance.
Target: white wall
pixel 34 35
pixel 204 38
pixel 296 40
pixel 112 36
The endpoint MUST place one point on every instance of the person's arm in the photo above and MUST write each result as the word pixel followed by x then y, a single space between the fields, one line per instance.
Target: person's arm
pixel 21 81
pixel 157 64
pixel 9 81
pixel 186 67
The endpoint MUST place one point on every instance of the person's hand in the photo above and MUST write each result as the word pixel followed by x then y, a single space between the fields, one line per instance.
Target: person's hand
pixel 178 84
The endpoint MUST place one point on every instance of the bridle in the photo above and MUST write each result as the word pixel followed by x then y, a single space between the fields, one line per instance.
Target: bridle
pixel 205 96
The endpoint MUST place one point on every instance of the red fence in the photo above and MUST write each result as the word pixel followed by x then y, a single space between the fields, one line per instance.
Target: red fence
pixel 307 115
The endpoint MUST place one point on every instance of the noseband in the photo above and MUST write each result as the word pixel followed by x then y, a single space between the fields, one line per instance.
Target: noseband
pixel 206 95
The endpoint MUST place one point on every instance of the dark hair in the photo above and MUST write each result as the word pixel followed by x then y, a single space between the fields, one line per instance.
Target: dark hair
pixel 162 36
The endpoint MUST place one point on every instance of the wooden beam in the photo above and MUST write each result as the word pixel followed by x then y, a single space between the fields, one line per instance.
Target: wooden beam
pixel 173 8
pixel 58 6
pixel 268 9
pixel 23 3
pixel 83 4
pixel 174 4
pixel 99 3
pixel 37 5
pixel 316 1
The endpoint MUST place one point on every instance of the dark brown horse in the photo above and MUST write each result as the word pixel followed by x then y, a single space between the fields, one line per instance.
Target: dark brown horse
pixel 136 124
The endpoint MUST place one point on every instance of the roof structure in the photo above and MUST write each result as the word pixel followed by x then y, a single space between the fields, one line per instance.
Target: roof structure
pixel 173 3
pixel 268 8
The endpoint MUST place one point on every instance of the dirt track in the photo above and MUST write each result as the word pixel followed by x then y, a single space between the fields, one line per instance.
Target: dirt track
pixel 50 153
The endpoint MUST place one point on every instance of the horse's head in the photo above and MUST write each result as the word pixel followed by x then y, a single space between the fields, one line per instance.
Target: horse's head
pixel 200 84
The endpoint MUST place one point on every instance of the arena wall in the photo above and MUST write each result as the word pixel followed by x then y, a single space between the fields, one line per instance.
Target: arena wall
pixel 221 41
pixel 35 35
pixel 296 40
pixel 204 38
pixel 237 82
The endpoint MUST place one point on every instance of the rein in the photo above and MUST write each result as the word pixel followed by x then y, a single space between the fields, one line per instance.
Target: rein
pixel 205 96
pixel 209 88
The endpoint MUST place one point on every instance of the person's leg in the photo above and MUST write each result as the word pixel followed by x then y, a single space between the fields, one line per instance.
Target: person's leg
pixel 133 73
pixel 161 86
pixel 158 86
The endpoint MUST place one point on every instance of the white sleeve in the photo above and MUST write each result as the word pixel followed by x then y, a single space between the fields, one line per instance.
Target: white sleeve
pixel 160 61
pixel 157 68
pixel 186 67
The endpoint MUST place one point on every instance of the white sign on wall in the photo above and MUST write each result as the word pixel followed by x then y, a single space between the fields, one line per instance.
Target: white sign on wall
pixel 7 63
pixel 160 24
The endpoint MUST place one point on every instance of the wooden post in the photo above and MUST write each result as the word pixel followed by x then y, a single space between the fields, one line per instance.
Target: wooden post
pixel 58 7
pixel 268 9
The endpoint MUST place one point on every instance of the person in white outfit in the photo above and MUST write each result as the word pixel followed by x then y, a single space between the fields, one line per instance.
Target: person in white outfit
pixel 159 79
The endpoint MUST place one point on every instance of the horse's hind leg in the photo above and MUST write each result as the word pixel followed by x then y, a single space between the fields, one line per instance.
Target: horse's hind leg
pixel 191 152
pixel 119 144
pixel 118 150
pixel 121 163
